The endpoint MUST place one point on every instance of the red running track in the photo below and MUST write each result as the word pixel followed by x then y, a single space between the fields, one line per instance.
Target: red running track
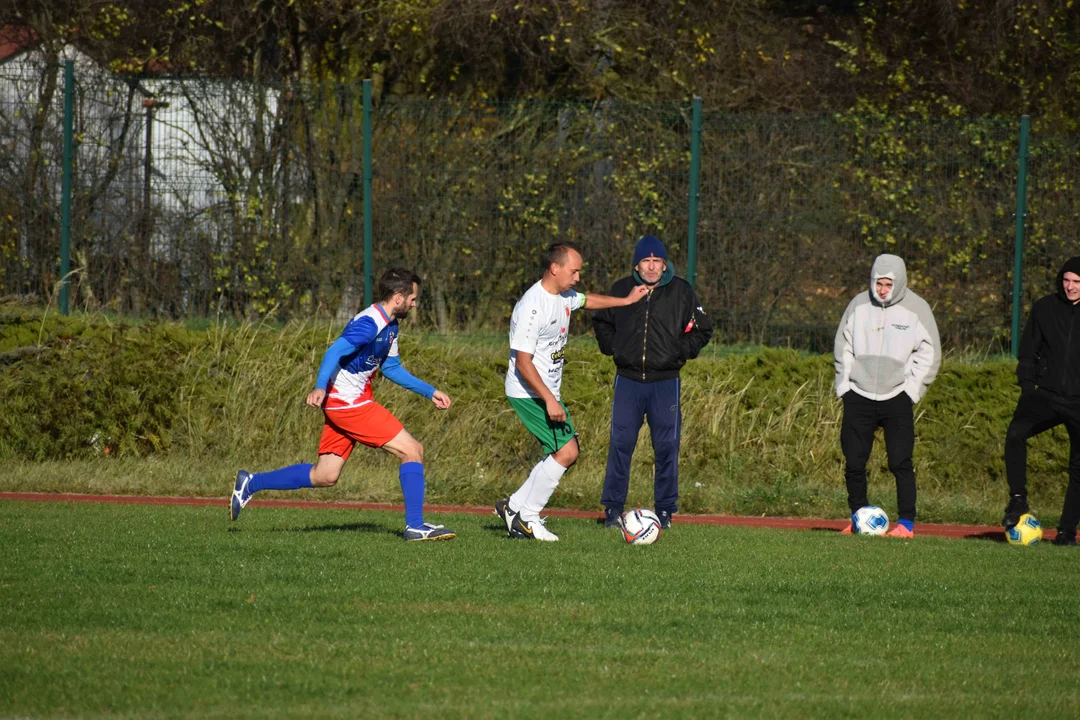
pixel 985 532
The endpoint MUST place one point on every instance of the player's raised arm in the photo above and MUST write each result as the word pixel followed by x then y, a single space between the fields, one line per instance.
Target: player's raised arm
pixel 603 302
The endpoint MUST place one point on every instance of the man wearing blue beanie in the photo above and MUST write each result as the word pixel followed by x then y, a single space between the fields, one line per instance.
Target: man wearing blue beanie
pixel 650 341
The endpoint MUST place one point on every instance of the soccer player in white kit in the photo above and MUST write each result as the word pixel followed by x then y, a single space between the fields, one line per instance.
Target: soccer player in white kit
pixel 538 335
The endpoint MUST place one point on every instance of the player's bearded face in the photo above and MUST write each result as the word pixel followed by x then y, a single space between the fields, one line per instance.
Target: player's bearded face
pixel 408 302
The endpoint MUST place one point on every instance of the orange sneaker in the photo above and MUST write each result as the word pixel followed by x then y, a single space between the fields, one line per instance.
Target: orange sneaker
pixel 900 531
pixel 846 530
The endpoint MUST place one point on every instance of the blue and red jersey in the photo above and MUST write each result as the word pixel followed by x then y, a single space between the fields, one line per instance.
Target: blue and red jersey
pixel 366 345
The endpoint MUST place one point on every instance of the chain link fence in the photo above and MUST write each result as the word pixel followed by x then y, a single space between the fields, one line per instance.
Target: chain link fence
pixel 1053 213
pixel 795 210
pixel 226 198
pixel 470 194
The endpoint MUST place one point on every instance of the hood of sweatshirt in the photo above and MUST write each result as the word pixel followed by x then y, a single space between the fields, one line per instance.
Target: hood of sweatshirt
pixel 893 268
pixel 1071 265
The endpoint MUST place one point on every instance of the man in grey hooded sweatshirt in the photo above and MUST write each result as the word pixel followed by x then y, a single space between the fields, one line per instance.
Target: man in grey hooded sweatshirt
pixel 886 354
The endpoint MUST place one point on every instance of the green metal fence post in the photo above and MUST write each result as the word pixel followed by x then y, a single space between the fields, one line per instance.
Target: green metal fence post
pixel 695 179
pixel 367 195
pixel 65 187
pixel 1018 253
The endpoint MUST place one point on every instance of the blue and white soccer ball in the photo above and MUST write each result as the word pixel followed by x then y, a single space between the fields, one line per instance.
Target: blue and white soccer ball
pixel 870 520
pixel 640 527
pixel 1026 532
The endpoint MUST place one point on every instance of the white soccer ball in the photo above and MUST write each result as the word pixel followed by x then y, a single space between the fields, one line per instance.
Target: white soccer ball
pixel 870 520
pixel 640 527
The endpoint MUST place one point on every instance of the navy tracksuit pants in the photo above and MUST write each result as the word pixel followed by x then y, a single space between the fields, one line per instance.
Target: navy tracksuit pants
pixel 658 403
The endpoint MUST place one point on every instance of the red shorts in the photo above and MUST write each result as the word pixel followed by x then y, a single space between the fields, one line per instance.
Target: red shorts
pixel 370 424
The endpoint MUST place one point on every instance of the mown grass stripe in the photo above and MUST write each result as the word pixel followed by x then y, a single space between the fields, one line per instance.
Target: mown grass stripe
pixel 136 611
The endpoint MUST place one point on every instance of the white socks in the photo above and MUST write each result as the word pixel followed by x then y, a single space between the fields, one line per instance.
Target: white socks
pixel 535 492
pixel 521 497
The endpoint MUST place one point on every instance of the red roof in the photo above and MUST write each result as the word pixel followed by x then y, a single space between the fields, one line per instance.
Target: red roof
pixel 14 39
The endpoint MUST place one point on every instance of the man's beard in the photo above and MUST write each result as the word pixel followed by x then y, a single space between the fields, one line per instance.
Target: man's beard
pixel 401 313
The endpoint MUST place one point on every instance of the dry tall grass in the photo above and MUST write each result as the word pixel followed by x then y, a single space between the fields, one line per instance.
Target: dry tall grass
pixel 760 430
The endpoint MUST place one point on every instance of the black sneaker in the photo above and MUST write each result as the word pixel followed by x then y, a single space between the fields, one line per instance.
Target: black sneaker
pixel 502 509
pixel 665 519
pixel 612 518
pixel 1018 505
pixel 1064 538
pixel 531 530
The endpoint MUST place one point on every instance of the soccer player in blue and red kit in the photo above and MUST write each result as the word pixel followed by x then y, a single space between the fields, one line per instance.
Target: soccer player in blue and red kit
pixel 343 391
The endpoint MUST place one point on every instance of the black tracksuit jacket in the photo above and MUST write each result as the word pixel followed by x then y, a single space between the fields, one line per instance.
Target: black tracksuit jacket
pixel 1050 346
pixel 649 339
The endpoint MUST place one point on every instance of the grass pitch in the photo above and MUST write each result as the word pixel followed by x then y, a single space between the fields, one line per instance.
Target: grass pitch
pixel 136 611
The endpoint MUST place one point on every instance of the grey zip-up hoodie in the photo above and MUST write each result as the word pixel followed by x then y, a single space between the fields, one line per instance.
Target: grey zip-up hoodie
pixel 886 347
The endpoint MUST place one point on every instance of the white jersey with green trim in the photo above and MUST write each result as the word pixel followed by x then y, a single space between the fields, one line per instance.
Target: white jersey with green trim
pixel 539 327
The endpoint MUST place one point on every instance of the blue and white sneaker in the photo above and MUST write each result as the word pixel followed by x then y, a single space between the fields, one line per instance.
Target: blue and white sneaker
pixel 240 494
pixel 427 531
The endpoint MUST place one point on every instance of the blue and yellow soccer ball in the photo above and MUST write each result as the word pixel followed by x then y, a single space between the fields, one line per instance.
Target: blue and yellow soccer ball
pixel 1026 532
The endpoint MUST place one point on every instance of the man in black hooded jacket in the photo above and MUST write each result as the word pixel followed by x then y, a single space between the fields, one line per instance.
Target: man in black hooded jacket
pixel 1049 376
pixel 650 344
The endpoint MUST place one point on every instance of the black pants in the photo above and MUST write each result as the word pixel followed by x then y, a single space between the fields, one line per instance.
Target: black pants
pixel 862 417
pixel 1037 412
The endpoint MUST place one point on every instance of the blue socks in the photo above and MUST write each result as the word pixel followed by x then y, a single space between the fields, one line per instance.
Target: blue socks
pixel 295 477
pixel 909 524
pixel 287 478
pixel 412 486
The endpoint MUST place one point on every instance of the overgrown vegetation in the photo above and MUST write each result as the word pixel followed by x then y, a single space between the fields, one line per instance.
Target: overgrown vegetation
pixel 89 405
pixel 829 128
pixel 931 58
